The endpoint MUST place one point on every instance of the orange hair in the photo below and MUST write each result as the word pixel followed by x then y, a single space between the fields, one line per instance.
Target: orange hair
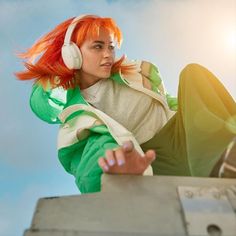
pixel 49 69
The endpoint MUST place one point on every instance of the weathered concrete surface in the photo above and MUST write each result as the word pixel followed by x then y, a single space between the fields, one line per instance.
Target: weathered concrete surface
pixel 127 206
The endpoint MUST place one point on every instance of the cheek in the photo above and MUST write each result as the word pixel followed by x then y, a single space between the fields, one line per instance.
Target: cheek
pixel 88 61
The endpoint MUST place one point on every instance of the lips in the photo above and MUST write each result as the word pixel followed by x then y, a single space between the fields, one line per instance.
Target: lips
pixel 107 64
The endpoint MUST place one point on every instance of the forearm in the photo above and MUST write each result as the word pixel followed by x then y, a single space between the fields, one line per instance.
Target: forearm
pixel 81 160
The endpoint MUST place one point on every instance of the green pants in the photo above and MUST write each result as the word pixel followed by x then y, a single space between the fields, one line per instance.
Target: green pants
pixel 193 140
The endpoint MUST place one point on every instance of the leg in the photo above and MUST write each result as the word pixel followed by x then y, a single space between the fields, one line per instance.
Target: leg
pixel 193 140
pixel 208 113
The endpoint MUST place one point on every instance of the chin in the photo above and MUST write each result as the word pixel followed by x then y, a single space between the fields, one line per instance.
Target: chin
pixel 105 76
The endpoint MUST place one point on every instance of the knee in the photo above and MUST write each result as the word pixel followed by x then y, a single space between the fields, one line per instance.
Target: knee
pixel 192 68
pixel 193 72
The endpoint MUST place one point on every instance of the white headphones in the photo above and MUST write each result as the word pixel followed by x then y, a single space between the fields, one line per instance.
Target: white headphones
pixel 70 52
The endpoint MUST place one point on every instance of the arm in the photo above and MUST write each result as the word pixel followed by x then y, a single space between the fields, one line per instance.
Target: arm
pixel 85 159
pixel 81 158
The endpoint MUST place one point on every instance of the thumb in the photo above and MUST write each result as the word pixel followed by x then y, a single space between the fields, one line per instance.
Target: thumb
pixel 150 156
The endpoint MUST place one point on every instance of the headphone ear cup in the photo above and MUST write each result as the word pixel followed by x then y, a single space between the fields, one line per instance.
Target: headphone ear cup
pixel 71 56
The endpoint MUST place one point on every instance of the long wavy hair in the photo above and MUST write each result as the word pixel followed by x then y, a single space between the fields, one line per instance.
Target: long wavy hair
pixel 44 63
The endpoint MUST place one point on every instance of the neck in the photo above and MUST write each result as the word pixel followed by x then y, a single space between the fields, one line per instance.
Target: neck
pixel 85 80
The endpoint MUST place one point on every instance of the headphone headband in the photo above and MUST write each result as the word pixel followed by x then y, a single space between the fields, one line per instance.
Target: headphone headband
pixel 71 27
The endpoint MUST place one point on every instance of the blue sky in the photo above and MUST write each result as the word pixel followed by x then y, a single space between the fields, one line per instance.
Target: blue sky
pixel 170 33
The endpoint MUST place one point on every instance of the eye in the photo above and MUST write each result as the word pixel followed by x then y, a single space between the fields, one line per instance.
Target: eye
pixel 98 46
pixel 112 47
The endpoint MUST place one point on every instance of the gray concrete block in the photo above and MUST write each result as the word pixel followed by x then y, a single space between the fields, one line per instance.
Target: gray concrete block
pixel 127 206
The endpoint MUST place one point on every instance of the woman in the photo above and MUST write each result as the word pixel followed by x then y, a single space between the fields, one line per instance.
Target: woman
pixel 115 114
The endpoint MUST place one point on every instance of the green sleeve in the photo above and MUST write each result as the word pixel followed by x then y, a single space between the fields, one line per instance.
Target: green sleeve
pixel 81 159
pixel 172 102
pixel 47 104
pixel 157 84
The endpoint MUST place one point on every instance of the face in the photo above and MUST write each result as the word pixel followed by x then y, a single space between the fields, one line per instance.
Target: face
pixel 98 57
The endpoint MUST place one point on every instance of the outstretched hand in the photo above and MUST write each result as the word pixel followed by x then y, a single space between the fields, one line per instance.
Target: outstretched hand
pixel 126 160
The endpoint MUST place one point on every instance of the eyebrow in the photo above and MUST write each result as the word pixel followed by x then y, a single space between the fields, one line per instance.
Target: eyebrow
pixel 101 42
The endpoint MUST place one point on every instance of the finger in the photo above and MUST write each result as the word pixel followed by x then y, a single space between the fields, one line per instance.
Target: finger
pixel 150 156
pixel 130 150
pixel 120 157
pixel 103 164
pixel 128 146
pixel 110 157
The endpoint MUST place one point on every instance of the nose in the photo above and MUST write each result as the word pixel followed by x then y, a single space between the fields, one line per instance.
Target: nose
pixel 108 53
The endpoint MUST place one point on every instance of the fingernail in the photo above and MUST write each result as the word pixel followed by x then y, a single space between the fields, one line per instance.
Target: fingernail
pixel 127 146
pixel 120 162
pixel 111 162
